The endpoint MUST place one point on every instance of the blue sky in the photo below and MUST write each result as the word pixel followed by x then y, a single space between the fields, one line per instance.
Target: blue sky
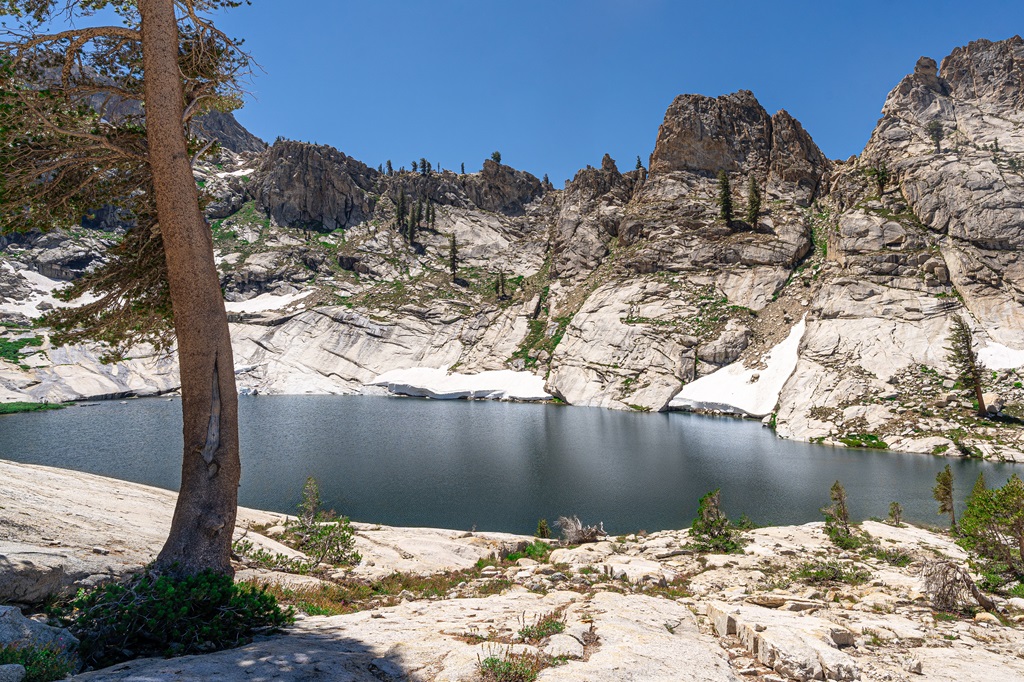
pixel 555 84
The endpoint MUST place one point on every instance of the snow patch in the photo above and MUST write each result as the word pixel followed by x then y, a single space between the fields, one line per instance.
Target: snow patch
pixel 236 174
pixel 42 292
pixel 735 389
pixel 427 382
pixel 998 356
pixel 264 302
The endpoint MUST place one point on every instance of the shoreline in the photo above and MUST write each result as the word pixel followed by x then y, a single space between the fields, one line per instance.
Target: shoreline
pixel 649 602
pixel 902 446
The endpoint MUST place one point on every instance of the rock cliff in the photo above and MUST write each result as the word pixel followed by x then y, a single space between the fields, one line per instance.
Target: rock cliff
pixel 622 288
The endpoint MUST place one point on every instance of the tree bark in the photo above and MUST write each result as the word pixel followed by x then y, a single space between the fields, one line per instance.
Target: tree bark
pixel 204 518
pixel 982 408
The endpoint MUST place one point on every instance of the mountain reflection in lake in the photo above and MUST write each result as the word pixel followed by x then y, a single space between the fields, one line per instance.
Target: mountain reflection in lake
pixel 494 466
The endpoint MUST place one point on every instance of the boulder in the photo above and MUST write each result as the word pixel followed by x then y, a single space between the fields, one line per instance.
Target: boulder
pixel 993 402
pixel 12 672
pixel 17 630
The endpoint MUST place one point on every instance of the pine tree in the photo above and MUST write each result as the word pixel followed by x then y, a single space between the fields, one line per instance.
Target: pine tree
pixel 943 494
pixel 390 169
pixel 837 519
pixel 496 157
pixel 543 530
pixel 380 168
pixel 979 484
pixel 961 355
pixel 453 256
pixel 753 202
pixel 724 197
pixel 61 153
pixel 547 183
pixel 433 216
pixel 992 531
pixel 639 163
pixel 400 210
pixel 895 513
pixel 424 166
pixel 881 175
pixel 711 531
pixel 462 168
pixel 415 166
pixel 936 132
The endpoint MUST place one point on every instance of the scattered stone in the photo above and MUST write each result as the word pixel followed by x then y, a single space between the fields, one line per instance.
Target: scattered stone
pixel 12 672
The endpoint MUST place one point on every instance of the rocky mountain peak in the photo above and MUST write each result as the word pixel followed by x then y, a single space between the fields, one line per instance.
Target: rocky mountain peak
pixel 608 164
pixel 710 134
pixel 735 134
pixel 987 70
pixel 314 186
pixel 502 189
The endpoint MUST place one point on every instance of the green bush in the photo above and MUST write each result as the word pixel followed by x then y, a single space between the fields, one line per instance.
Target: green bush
pixel 546 625
pixel 161 615
pixel 322 536
pixel 992 531
pixel 513 667
pixel 823 572
pixel 711 531
pixel 543 530
pixel 837 520
pixel 42 664
pixel 536 550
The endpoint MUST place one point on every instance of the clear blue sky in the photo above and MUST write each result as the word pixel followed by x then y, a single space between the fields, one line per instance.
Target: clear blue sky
pixel 554 84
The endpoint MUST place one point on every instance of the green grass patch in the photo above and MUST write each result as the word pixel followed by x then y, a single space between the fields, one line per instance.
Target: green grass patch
pixel 10 349
pixel 513 667
pixel 546 625
pixel 536 550
pixel 864 440
pixel 831 571
pixel 12 408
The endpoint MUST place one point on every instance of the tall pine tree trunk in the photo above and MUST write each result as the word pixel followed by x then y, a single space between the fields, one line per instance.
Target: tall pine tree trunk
pixel 204 518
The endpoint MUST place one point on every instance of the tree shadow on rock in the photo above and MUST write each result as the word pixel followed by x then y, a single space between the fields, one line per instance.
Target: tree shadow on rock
pixel 288 657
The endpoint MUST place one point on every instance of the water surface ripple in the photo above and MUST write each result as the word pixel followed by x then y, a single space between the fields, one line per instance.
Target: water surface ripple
pixel 493 466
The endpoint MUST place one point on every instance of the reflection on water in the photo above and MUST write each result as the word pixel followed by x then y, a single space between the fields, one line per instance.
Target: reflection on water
pixel 495 466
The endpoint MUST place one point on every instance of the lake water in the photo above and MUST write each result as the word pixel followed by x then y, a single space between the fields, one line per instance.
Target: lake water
pixel 493 466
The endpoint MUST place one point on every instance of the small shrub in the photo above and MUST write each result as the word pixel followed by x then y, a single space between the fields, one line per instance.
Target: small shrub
pixel 536 550
pixel 513 667
pixel 543 531
pixel 822 572
pixel 324 537
pixel 837 520
pixel 893 556
pixel 544 626
pixel 895 514
pixel 711 531
pixel 148 614
pixel 42 664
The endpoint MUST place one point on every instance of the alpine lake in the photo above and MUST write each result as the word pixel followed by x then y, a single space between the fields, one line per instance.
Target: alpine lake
pixel 494 466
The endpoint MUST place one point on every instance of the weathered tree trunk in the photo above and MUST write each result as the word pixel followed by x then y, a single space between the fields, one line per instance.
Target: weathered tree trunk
pixel 204 518
pixel 982 408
